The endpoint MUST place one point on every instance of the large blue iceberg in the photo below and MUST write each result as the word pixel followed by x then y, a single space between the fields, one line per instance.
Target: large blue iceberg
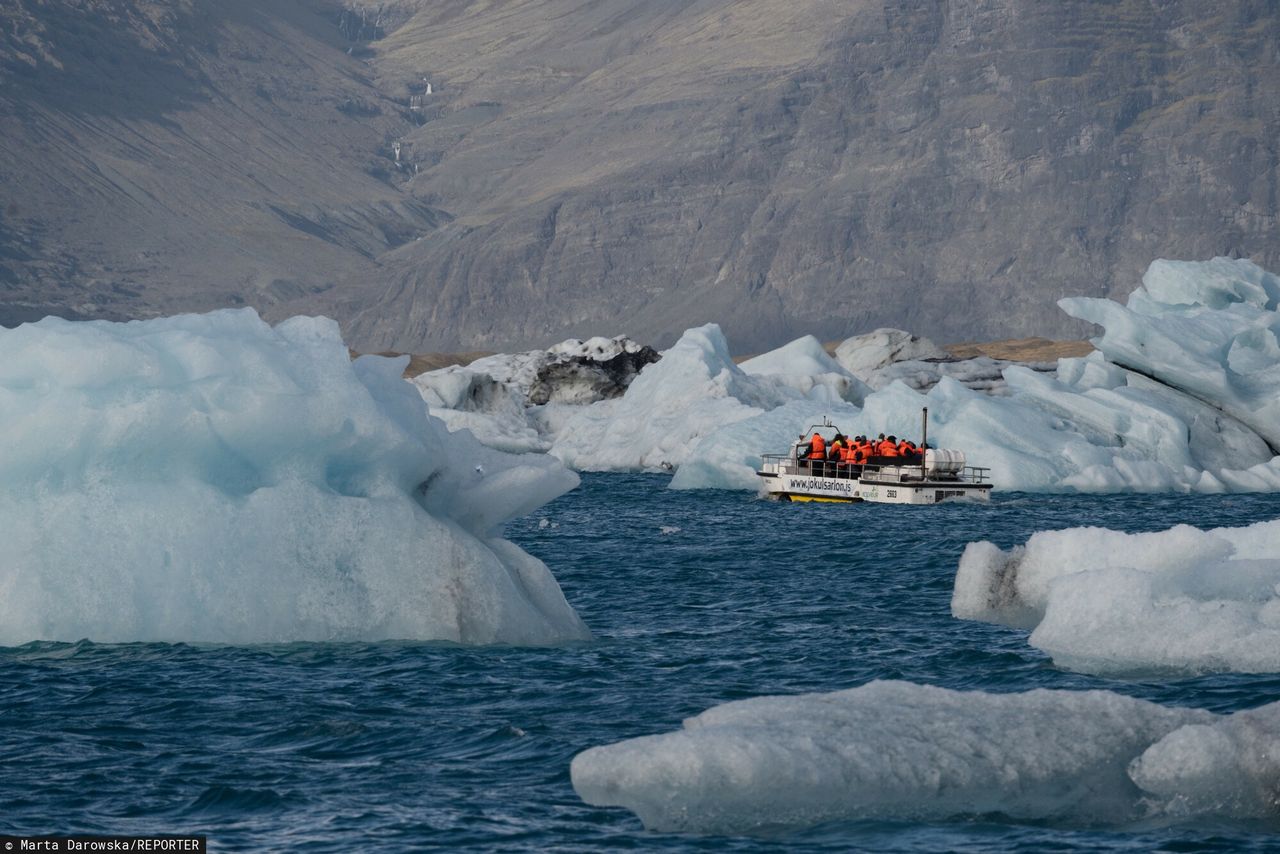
pixel 211 478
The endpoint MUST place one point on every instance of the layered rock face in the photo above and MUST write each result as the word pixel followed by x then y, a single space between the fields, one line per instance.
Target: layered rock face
pixel 578 168
pixel 790 167
pixel 159 157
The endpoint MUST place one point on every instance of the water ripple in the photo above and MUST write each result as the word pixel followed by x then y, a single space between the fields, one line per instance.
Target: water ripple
pixel 404 745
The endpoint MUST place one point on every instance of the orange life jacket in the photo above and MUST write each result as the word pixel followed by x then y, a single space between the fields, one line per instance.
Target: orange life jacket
pixel 887 449
pixel 906 447
pixel 817 447
pixel 848 453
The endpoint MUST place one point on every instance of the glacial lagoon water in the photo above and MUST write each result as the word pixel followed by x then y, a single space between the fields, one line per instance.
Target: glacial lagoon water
pixel 695 599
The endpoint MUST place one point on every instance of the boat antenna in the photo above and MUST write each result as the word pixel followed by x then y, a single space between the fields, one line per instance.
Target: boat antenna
pixel 924 438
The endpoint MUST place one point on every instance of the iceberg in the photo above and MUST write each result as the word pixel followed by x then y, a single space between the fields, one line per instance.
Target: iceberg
pixel 695 389
pixel 804 366
pixel 1229 768
pixel 491 410
pixel 1106 602
pixel 500 399
pixel 210 478
pixel 1182 395
pixel 885 356
pixel 898 750
pixel 1205 328
pixel 865 356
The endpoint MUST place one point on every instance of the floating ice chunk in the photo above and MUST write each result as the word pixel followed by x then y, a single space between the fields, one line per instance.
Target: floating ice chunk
pixel 886 356
pixel 493 412
pixel 573 371
pixel 728 458
pixel 493 396
pixel 210 478
pixel 1215 284
pixel 895 750
pixel 1206 328
pixel 865 355
pixel 695 389
pixel 804 356
pixel 513 435
pixel 599 348
pixel 1104 601
pixel 805 366
pixel 980 373
pixel 1230 767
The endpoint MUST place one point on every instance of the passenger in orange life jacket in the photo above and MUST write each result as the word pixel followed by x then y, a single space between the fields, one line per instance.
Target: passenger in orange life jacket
pixel 817 447
pixel 888 447
pixel 836 450
pixel 864 450
pixel 907 448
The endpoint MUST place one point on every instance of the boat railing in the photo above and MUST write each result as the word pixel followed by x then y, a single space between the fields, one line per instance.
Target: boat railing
pixel 905 472
pixel 976 474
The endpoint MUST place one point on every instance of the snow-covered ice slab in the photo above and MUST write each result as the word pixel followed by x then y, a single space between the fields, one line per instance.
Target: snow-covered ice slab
pixel 1207 328
pixel 492 411
pixel 502 400
pixel 896 750
pixel 1104 601
pixel 866 356
pixel 211 478
pixel 804 366
pixel 694 390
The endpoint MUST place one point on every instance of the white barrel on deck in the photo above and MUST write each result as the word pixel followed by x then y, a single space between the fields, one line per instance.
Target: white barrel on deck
pixel 943 461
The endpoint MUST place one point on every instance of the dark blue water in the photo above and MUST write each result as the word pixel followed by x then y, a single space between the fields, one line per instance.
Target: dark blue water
pixel 396 746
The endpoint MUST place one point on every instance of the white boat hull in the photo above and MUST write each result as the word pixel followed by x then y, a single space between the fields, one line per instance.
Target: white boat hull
pixel 888 485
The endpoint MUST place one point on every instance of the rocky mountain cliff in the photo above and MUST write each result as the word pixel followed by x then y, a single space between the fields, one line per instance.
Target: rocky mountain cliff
pixel 581 167
pixel 158 157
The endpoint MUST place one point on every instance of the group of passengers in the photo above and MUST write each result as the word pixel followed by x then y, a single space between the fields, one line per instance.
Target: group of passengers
pixel 858 451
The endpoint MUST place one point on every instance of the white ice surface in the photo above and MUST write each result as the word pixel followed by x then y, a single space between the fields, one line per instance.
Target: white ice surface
pixel 1104 601
pixel 804 366
pixel 211 478
pixel 694 390
pixel 1183 395
pixel 1189 401
pixel 1228 768
pixel 1207 328
pixel 896 750
pixel 865 356
pixel 494 412
pixel 519 371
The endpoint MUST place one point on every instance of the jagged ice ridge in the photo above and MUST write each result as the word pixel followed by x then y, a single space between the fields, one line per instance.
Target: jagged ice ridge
pixel 1183 394
pixel 211 478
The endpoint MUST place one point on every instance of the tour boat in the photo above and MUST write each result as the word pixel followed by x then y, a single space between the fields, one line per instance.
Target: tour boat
pixel 928 478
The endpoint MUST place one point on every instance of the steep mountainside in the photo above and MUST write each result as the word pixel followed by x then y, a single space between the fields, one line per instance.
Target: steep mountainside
pixel 166 156
pixel 586 167
pixel 789 166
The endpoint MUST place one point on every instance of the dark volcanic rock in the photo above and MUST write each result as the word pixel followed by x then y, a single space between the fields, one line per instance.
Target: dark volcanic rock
pixel 581 379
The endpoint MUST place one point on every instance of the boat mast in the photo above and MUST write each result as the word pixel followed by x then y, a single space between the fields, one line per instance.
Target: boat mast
pixel 924 438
